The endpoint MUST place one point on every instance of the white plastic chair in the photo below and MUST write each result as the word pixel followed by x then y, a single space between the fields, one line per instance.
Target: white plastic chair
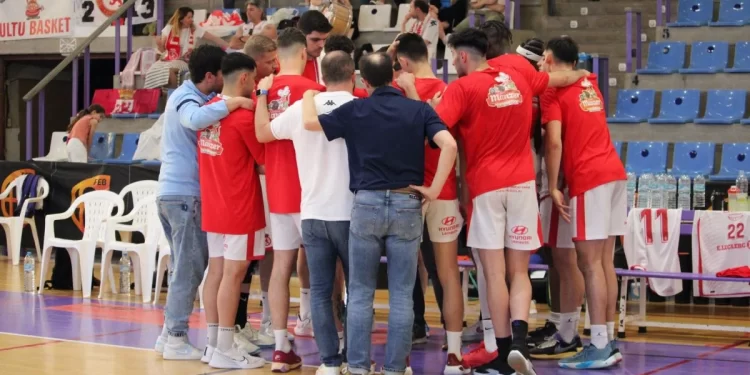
pixel 13 226
pixel 98 207
pixel 138 190
pixel 165 253
pixel 403 9
pixel 374 17
pixel 145 263
pixel 57 149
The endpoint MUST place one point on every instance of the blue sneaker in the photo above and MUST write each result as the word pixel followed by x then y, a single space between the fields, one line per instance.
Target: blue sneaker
pixel 615 351
pixel 590 358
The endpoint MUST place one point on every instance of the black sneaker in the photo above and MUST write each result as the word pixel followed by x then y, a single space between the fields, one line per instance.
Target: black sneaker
pixel 418 334
pixel 556 348
pixel 541 334
pixel 499 365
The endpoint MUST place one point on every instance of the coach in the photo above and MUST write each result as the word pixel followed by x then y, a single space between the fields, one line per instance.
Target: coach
pixel 385 138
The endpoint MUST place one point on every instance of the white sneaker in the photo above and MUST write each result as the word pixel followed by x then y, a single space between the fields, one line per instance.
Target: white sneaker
pixel 304 327
pixel 244 344
pixel 473 332
pixel 266 330
pixel 179 349
pixel 323 370
pixel 160 342
pixel 235 358
pixel 208 352
pixel 255 337
pixel 532 307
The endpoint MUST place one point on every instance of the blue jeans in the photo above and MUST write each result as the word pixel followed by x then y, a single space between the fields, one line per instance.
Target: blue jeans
pixel 391 221
pixel 181 218
pixel 325 242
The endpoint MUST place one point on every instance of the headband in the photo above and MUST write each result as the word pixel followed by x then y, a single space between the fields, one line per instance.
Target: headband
pixel 528 54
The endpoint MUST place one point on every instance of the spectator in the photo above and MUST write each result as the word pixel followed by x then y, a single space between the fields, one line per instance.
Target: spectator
pixel 492 10
pixel 256 24
pixel 422 21
pixel 81 133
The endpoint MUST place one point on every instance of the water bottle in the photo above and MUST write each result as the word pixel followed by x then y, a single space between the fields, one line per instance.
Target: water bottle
pixel 699 192
pixel 657 191
pixel 124 274
pixel 631 189
pixel 683 200
pixel 29 268
pixel 742 204
pixel 742 182
pixel 732 198
pixel 644 191
pixel 671 185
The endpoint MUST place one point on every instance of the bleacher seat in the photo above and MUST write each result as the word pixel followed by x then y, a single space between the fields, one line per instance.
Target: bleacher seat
pixel 741 58
pixel 403 10
pixel 151 163
pixel 57 148
pixel 646 157
pixel 127 149
pixel 618 147
pixel 633 106
pixel 693 158
pixel 678 107
pixel 734 158
pixel 693 13
pixel 724 107
pixel 664 58
pixel 374 17
pixel 732 13
pixel 707 58
pixel 103 146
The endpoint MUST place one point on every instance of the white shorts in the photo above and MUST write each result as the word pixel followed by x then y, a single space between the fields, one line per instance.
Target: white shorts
pixel 444 220
pixel 76 151
pixel 268 242
pixel 286 231
pixel 237 246
pixel 556 232
pixel 600 212
pixel 508 217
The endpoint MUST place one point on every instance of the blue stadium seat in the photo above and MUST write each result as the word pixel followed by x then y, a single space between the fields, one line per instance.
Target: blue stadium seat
pixel 733 13
pixel 128 115
pixel 646 157
pixel 745 121
pixel 633 106
pixel 103 146
pixel 741 58
pixel 618 147
pixel 724 107
pixel 693 13
pixel 735 157
pixel 707 57
pixel 693 158
pixel 151 163
pixel 127 149
pixel 664 58
pixel 678 107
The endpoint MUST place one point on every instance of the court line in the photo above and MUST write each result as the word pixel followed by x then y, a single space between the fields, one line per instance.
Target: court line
pixel 79 341
pixel 700 356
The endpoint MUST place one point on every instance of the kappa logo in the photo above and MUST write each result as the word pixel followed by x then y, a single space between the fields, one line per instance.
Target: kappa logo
pixel 449 220
pixel 433 23
pixel 329 103
pixel 520 230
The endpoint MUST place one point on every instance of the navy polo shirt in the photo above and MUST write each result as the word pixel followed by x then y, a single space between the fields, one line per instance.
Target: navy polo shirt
pixel 385 138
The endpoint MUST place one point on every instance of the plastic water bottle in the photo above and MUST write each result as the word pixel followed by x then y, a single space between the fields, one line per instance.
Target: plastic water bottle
pixel 742 204
pixel 631 189
pixel 732 198
pixel 742 182
pixel 699 192
pixel 124 274
pixel 683 200
pixel 29 269
pixel 644 191
pixel 671 185
pixel 657 191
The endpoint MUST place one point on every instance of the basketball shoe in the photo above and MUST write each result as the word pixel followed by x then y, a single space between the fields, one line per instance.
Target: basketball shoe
pixel 541 334
pixel 180 349
pixel 556 348
pixel 304 327
pixel 253 336
pixel 235 358
pixel 518 359
pixel 591 358
pixel 285 362
pixel 479 356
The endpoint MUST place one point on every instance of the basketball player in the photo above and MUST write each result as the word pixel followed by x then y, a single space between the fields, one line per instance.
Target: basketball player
pixel 596 183
pixel 316 28
pixel 232 215
pixel 443 218
pixel 326 199
pixel 284 191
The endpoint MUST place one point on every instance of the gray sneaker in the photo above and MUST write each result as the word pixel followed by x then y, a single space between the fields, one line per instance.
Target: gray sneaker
pixel 556 348
pixel 615 351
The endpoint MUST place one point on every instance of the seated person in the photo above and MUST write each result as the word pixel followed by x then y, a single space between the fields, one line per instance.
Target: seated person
pixel 422 20
pixel 256 24
pixel 493 10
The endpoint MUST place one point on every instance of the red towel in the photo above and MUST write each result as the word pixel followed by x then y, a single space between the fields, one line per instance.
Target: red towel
pixel 736 272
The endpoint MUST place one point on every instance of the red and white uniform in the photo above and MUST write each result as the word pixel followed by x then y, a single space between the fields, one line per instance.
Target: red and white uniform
pixel 720 245
pixel 593 170
pixel 651 244
pixel 284 191
pixel 428 29
pixel 312 71
pixel 232 213
pixel 492 110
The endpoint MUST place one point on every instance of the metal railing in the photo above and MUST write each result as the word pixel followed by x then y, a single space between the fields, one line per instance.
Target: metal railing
pixel 661 9
pixel 629 38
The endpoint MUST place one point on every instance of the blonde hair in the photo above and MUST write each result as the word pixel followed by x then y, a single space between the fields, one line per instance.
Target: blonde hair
pixel 178 16
pixel 257 45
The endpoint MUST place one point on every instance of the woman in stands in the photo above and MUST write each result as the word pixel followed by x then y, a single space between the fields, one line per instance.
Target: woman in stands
pixel 177 40
pixel 81 133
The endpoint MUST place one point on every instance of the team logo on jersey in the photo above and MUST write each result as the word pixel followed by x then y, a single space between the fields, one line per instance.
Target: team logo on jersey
pixel 504 93
pixel 278 106
pixel 450 225
pixel 209 143
pixel 589 99
pixel 520 230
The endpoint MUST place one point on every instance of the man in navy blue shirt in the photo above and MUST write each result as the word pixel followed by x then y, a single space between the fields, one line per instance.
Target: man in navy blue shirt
pixel 385 137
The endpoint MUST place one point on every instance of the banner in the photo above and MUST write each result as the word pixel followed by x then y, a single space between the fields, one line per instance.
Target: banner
pixel 35 19
pixel 95 12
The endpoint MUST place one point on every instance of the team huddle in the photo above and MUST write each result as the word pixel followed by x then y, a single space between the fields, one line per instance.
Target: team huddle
pixel 294 175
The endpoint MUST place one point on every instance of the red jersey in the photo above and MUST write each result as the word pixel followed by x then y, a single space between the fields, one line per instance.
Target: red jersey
pixel 427 88
pixel 492 109
pixel 230 186
pixel 311 70
pixel 589 158
pixel 536 79
pixel 282 179
pixel 360 93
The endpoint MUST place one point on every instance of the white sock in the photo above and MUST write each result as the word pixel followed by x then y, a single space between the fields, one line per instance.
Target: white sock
pixel 611 330
pixel 554 318
pixel 213 334
pixel 341 342
pixel 266 307
pixel 599 335
pixel 489 336
pixel 454 343
pixel 304 303
pixel 579 309
pixel 282 342
pixel 225 339
pixel 568 326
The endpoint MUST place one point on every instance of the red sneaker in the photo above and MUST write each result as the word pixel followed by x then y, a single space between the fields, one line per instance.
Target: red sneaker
pixel 455 367
pixel 285 362
pixel 478 357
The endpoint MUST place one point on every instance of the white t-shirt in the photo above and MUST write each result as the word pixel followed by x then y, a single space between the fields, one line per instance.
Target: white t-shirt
pixel 253 29
pixel 323 166
pixel 185 36
pixel 429 29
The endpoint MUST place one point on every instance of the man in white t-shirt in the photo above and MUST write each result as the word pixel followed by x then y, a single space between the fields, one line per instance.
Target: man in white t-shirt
pixel 420 21
pixel 255 25
pixel 326 200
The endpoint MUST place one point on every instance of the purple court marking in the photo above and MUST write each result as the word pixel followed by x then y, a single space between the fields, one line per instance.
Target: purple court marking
pixel 42 316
